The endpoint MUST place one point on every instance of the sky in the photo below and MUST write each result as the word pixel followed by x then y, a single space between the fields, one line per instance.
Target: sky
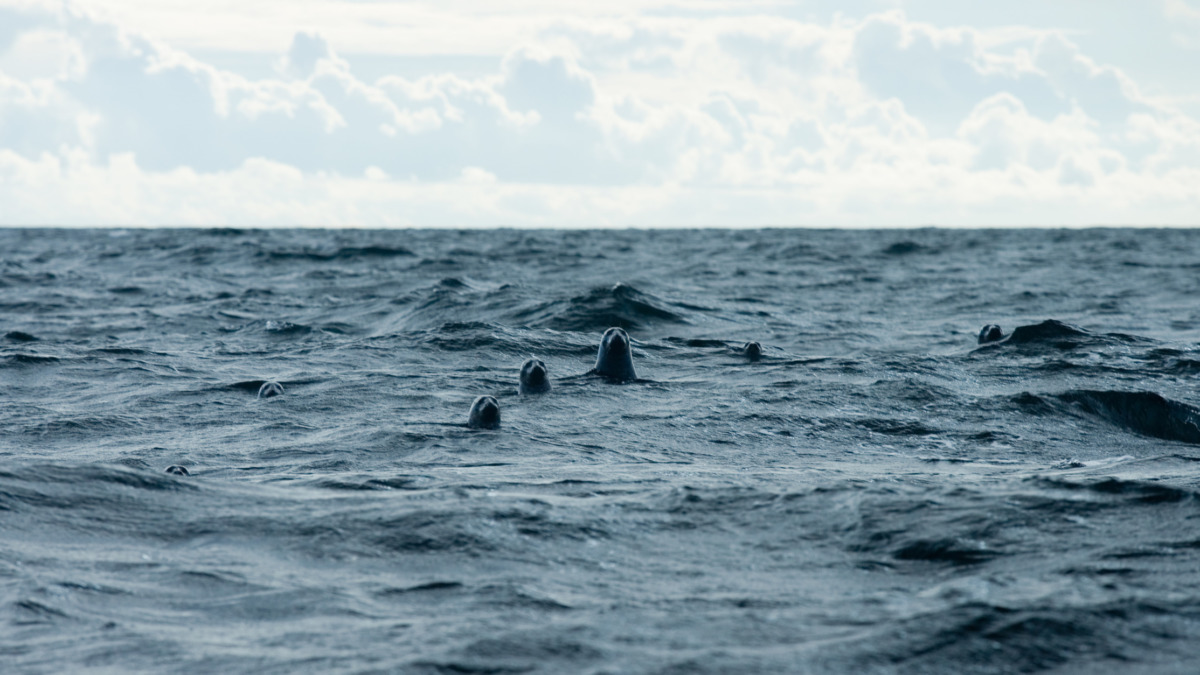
pixel 643 113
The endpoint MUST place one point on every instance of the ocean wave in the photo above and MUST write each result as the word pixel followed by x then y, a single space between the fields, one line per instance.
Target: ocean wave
pixel 1184 367
pixel 346 253
pixel 894 508
pixel 904 248
pixel 468 336
pixel 1145 413
pixel 1055 334
pixel 369 484
pixel 1124 489
pixel 127 351
pixel 285 328
pixel 897 427
pixel 954 550
pixel 1050 330
pixel 30 359
pixel 619 305
pixel 997 637
pixel 93 490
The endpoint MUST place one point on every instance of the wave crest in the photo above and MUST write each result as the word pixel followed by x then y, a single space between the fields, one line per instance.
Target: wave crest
pixel 619 305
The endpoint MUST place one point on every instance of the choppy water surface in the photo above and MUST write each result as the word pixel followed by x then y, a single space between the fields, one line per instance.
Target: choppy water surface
pixel 877 494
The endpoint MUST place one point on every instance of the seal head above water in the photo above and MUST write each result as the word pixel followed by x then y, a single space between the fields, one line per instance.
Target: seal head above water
pixel 615 358
pixel 990 333
pixel 752 351
pixel 485 413
pixel 178 470
pixel 535 379
pixel 269 389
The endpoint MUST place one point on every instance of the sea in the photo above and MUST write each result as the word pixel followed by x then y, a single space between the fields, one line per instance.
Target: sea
pixel 878 493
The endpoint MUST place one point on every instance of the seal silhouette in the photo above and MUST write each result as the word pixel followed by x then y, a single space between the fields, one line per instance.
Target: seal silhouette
pixel 535 379
pixel 752 351
pixel 485 413
pixel 178 470
pixel 614 360
pixel 269 389
pixel 990 333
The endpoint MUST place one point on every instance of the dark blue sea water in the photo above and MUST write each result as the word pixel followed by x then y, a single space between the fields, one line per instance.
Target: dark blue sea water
pixel 877 494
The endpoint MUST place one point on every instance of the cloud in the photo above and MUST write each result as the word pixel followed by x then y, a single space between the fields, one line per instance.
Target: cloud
pixel 266 193
pixel 307 50
pixel 43 54
pixel 618 119
pixel 1189 16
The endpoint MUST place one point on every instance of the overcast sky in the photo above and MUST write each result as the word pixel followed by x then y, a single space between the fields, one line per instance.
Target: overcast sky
pixel 626 112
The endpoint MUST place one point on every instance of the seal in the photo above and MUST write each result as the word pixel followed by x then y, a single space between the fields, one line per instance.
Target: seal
pixel 269 389
pixel 752 351
pixel 485 413
pixel 178 470
pixel 615 358
pixel 535 379
pixel 990 333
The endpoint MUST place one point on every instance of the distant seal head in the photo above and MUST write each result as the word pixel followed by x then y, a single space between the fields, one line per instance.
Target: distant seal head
pixel 615 358
pixel 990 333
pixel 269 389
pixel 752 351
pixel 485 413
pixel 178 470
pixel 535 379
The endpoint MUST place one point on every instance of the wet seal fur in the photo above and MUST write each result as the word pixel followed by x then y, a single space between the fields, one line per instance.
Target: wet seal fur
pixel 990 333
pixel 752 351
pixel 485 413
pixel 535 378
pixel 177 470
pixel 614 360
pixel 269 389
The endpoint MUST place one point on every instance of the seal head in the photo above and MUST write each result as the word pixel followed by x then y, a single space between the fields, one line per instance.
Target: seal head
pixel 485 413
pixel 535 379
pixel 752 351
pixel 990 333
pixel 177 470
pixel 615 358
pixel 269 389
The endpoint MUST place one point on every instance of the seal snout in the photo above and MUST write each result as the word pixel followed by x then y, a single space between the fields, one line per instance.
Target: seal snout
pixel 485 413
pixel 537 373
pixel 535 378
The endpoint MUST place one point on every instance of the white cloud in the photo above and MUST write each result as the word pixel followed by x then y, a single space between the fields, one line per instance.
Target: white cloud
pixel 267 193
pixel 1187 17
pixel 44 54
pixel 613 119
pixel 473 174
